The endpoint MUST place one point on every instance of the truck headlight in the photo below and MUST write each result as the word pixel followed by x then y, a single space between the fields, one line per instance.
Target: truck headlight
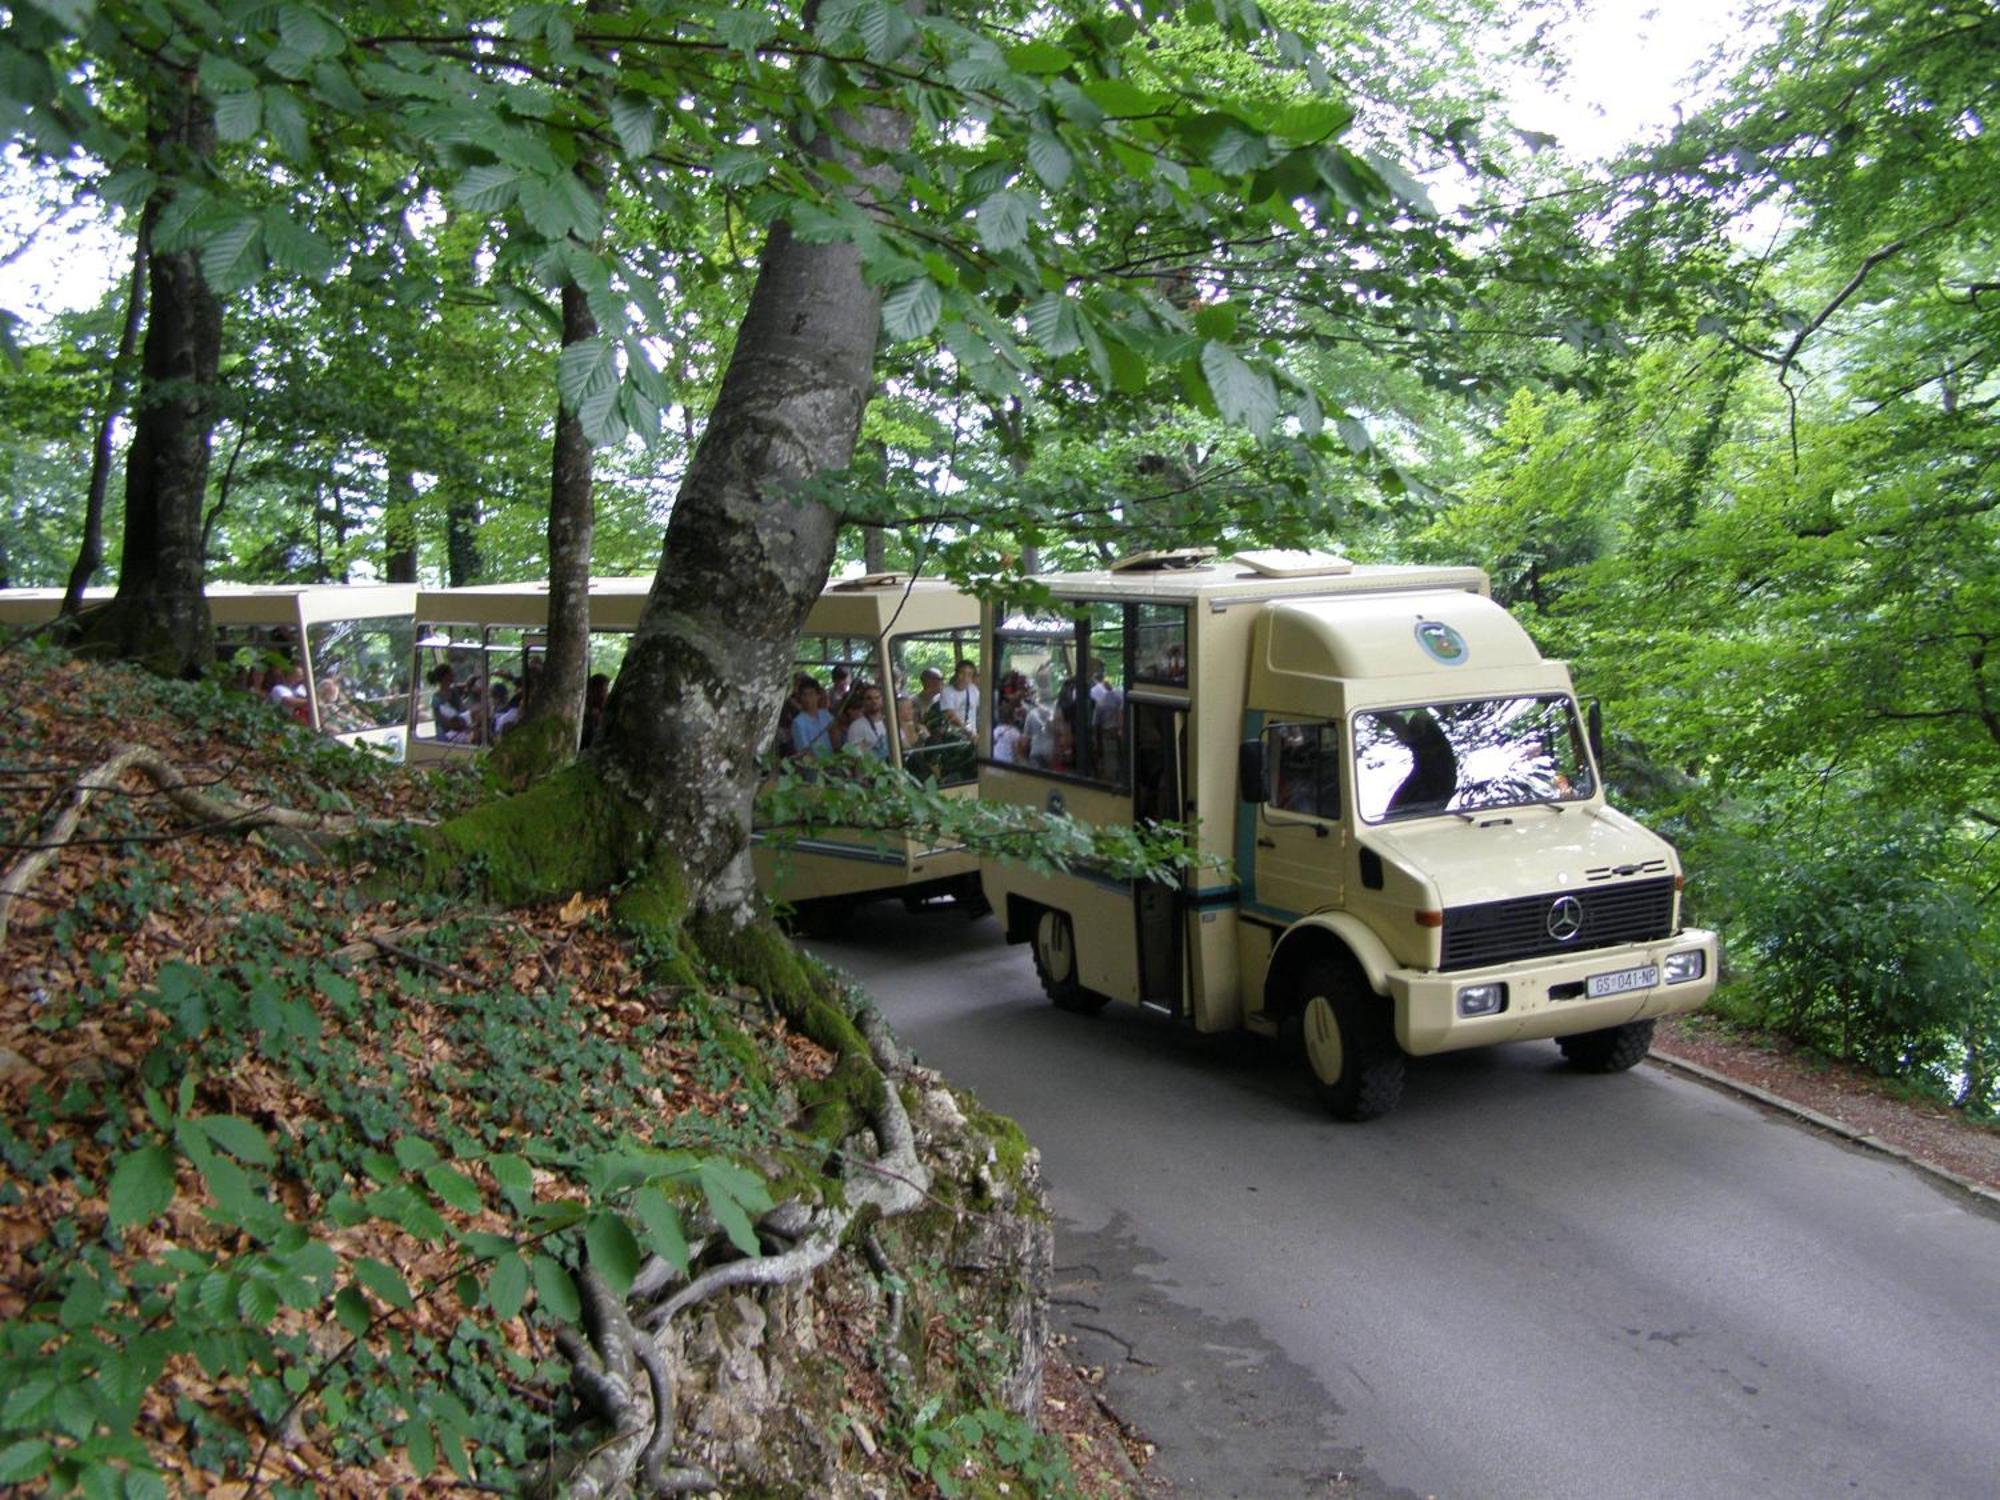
pixel 1679 968
pixel 1482 999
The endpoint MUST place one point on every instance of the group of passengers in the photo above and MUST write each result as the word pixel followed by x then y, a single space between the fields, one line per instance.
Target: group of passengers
pixel 852 715
pixel 475 712
pixel 1032 727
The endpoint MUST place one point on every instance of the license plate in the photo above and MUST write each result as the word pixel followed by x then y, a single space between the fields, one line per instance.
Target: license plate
pixel 1619 981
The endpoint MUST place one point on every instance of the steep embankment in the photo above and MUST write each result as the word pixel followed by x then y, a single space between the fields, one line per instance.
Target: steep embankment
pixel 307 1179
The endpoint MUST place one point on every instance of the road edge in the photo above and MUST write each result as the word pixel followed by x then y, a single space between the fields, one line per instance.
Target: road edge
pixel 1717 1079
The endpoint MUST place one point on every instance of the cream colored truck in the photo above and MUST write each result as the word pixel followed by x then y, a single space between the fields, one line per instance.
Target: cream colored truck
pixel 349 642
pixel 1413 850
pixel 882 628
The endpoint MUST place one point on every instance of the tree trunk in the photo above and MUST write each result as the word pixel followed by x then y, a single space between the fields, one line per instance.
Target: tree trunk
pixel 90 555
pixel 159 616
pixel 744 559
pixel 559 691
pixel 399 521
pixel 461 539
pixel 874 550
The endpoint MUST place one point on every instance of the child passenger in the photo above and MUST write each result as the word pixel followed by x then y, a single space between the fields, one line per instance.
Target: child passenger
pixel 812 725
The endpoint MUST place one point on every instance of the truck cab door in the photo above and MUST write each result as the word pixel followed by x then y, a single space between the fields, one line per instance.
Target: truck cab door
pixel 1299 839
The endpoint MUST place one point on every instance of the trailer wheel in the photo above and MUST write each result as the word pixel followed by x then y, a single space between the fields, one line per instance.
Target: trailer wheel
pixel 1055 963
pixel 1612 1050
pixel 1347 1042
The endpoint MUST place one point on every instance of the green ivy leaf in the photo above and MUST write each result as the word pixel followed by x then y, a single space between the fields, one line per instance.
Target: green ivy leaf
pixel 555 1290
pixel 507 1287
pixel 142 1185
pixel 385 1281
pixel 454 1189
pixel 238 1137
pixel 663 1227
pixel 614 1253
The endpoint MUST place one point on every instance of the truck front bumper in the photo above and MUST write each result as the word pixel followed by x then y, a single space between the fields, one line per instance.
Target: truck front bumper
pixel 1547 997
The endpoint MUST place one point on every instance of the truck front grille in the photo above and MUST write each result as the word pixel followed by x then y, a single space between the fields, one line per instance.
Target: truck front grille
pixel 1498 932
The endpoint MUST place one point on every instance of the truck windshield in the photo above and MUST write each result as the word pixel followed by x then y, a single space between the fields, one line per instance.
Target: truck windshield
pixel 1465 757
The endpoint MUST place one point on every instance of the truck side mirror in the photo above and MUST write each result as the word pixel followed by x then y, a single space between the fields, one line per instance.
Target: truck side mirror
pixel 1250 770
pixel 1594 720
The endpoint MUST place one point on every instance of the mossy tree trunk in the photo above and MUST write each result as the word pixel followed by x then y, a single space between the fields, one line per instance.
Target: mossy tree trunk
pixel 159 615
pixel 558 693
pixel 746 552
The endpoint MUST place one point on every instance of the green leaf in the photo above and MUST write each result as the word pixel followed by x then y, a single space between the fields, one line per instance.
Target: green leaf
pixel 1050 160
pixel 307 31
pixel 1242 394
pixel 22 1461
pixel 142 1185
pixel 256 1302
pixel 237 116
pixel 385 1281
pixel 911 310
pixel 507 1287
pixel 1039 58
pixel 586 369
pixel 886 30
pixel 231 257
pixel 1052 323
pixel 637 122
pixel 454 1189
pixel 614 1253
pixel 722 1189
pixel 487 189
pixel 350 1308
pixel 285 121
pixel 663 1227
pixel 555 1290
pixel 238 1137
pixel 516 1178
pixel 220 76
pixel 1003 220
pixel 421 1446
pixel 414 1153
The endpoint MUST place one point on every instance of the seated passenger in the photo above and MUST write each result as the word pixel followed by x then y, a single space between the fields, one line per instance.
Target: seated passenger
pixel 865 732
pixel 449 720
pixel 506 710
pixel 1006 735
pixel 812 725
pixel 907 728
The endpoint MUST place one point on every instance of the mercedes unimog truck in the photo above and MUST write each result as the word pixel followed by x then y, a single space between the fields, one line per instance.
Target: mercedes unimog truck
pixel 1407 847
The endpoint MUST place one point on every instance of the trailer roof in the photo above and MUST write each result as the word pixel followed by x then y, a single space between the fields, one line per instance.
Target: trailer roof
pixel 1254 576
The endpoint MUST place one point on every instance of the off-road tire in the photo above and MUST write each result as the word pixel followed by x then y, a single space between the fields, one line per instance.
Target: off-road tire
pixel 1054 944
pixel 1341 1028
pixel 1612 1050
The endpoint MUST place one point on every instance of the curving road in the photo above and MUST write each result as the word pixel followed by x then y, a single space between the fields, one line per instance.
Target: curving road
pixel 1524 1283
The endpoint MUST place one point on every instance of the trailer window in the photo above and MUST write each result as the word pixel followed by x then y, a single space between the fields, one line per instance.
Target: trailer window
pixel 1302 769
pixel 921 666
pixel 1058 689
pixel 359 666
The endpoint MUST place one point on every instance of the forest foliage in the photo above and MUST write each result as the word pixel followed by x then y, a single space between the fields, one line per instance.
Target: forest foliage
pixel 1716 413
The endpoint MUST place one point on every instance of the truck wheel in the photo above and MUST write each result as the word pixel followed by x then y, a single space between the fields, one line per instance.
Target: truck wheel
pixel 1348 1044
pixel 1055 963
pixel 1612 1050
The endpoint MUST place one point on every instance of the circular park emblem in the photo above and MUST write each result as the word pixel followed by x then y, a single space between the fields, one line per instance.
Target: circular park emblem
pixel 1441 643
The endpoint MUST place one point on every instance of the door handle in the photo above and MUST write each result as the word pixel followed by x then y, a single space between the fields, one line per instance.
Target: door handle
pixel 1267 843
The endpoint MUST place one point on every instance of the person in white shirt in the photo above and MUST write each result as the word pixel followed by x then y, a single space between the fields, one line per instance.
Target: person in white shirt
pixel 1039 734
pixel 867 732
pixel 1007 741
pixel 960 701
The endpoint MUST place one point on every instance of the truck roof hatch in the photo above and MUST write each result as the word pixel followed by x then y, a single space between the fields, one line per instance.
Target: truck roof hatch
pixel 1160 562
pixel 1294 564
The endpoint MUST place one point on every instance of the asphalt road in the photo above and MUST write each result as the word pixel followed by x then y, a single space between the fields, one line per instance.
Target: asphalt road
pixel 1523 1283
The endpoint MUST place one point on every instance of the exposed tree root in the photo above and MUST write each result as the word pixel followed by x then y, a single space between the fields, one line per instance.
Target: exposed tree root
pixel 216 813
pixel 621 1334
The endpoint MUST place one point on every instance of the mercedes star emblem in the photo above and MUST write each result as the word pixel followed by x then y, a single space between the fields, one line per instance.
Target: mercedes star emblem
pixel 1565 918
